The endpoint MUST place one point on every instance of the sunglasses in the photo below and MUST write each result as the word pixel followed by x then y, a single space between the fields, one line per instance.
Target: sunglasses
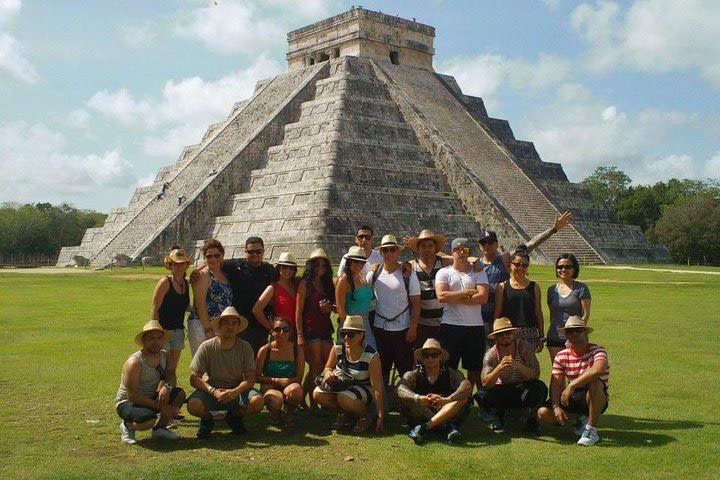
pixel 364 237
pixel 574 330
pixel 521 264
pixel 213 255
pixel 430 354
pixel 564 267
pixel 461 249
pixel 388 249
pixel 255 252
pixel 347 334
pixel 281 329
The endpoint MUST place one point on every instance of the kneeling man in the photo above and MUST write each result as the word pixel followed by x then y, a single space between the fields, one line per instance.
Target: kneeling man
pixel 585 367
pixel 434 396
pixel 229 363
pixel 510 377
pixel 147 388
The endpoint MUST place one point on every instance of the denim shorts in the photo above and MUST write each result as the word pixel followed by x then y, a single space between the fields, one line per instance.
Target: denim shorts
pixel 177 341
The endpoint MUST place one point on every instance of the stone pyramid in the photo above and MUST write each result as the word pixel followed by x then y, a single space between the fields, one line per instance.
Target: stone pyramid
pixel 360 130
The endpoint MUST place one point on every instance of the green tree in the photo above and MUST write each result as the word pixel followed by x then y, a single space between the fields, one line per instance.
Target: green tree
pixel 690 228
pixel 607 185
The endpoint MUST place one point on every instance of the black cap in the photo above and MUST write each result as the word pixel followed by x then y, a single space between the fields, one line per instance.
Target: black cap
pixel 488 234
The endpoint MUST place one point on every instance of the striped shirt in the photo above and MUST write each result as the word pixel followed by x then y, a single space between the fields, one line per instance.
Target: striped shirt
pixel 523 354
pixel 359 370
pixel 568 364
pixel 431 310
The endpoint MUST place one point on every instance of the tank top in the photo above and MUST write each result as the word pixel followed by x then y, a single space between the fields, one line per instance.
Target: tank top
pixel 431 310
pixel 441 386
pixel 511 375
pixel 361 304
pixel 280 368
pixel 315 322
pixel 563 307
pixel 519 305
pixel 149 377
pixel 217 298
pixel 283 305
pixel 359 370
pixel 173 307
pixel 496 274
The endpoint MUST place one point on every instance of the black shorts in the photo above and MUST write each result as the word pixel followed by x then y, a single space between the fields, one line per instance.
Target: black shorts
pixel 463 343
pixel 578 401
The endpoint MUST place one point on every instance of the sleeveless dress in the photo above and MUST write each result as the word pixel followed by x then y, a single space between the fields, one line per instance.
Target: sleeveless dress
pixel 218 297
pixel 283 305
pixel 359 306
pixel 316 324
pixel 519 307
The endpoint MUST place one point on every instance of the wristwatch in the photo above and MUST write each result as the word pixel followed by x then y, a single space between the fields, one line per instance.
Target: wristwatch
pixel 168 386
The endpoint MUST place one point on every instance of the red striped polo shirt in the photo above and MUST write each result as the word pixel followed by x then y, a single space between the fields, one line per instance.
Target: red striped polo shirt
pixel 568 364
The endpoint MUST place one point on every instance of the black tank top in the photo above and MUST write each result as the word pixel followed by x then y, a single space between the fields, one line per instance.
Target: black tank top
pixel 173 307
pixel 519 305
pixel 441 386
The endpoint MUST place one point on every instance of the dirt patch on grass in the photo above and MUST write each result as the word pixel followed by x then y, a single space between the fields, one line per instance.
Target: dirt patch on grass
pixel 135 276
pixel 640 282
pixel 47 270
pixel 666 270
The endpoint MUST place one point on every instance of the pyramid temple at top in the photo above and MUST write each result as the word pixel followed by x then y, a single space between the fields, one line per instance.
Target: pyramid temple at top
pixel 359 130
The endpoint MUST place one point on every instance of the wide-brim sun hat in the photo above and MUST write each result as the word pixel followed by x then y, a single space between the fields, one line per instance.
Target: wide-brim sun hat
pixel 353 322
pixel 575 322
pixel 318 253
pixel 355 253
pixel 152 326
pixel 177 255
pixel 502 324
pixel 287 258
pixel 431 344
pixel 390 241
pixel 439 240
pixel 229 312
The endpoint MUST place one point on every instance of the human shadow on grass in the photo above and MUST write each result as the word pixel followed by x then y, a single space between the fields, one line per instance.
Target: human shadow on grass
pixel 621 422
pixel 608 437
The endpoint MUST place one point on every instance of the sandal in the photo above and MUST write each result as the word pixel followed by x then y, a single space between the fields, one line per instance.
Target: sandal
pixel 362 424
pixel 340 421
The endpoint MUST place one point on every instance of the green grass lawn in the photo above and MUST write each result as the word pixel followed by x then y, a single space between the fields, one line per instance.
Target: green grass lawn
pixel 66 337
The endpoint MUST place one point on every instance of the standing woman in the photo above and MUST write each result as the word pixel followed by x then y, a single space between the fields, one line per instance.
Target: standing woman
pixel 353 293
pixel 315 301
pixel 212 294
pixel 280 367
pixel 281 294
pixel 565 299
pixel 519 299
pixel 171 300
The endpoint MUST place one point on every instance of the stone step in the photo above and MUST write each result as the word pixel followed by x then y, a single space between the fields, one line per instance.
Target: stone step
pixel 359 147
pixel 411 163
pixel 363 106
pixel 337 124
pixel 350 86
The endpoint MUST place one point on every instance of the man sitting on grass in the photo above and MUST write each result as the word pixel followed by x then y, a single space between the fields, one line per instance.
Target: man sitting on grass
pixel 586 368
pixel 229 363
pixel 147 388
pixel 434 396
pixel 510 377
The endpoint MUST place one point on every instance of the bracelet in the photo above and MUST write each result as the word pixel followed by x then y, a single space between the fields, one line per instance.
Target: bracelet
pixel 416 398
pixel 212 389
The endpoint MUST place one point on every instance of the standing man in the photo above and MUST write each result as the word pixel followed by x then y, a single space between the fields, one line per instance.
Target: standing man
pixel 229 363
pixel 398 309
pixel 510 377
pixel 497 265
pixel 579 382
pixel 426 266
pixel 463 291
pixel 147 388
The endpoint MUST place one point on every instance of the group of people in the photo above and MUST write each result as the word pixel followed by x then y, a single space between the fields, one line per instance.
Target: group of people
pixel 253 327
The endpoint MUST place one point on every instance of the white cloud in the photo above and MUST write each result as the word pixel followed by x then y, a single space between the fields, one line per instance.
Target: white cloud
pixel 249 26
pixel 121 106
pixel 136 36
pixel 652 35
pixel 12 58
pixel 78 118
pixel 36 164
pixel 712 167
pixel 8 9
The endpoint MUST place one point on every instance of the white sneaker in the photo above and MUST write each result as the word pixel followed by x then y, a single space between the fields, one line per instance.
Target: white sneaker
pixel 580 425
pixel 164 434
pixel 589 437
pixel 127 435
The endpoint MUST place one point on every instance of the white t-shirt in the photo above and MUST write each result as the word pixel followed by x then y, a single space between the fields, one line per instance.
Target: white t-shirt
pixel 374 259
pixel 455 313
pixel 392 298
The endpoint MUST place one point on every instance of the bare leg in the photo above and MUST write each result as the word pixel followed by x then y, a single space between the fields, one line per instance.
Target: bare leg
pixel 196 408
pixel 546 415
pixel 177 402
pixel 139 426
pixel 596 401
pixel 446 414
pixel 173 358
pixel 273 400
pixel 326 399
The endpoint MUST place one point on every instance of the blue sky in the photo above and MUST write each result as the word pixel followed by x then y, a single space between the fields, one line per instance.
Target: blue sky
pixel 96 96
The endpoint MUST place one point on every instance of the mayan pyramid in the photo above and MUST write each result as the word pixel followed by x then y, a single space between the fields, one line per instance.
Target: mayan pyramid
pixel 360 129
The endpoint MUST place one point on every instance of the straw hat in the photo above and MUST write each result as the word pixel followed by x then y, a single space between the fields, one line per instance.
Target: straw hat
pixel 176 256
pixel 390 241
pixel 287 258
pixel 575 322
pixel 229 312
pixel 425 235
pixel 502 324
pixel 355 253
pixel 431 344
pixel 318 253
pixel 152 326
pixel 353 322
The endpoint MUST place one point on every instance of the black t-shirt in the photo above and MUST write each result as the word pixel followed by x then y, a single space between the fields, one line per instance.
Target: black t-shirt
pixel 247 284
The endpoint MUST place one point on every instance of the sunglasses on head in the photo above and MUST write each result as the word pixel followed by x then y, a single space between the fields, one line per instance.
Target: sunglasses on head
pixel 574 330
pixel 564 267
pixel 259 251
pixel 364 237
pixel 388 249
pixel 281 329
pixel 213 255
pixel 431 354
pixel 521 264
pixel 348 334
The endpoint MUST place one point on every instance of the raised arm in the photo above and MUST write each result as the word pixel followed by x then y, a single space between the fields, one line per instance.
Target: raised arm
pixel 561 220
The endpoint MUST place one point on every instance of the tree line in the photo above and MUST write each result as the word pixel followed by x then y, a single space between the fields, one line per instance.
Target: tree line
pixel 683 215
pixel 33 230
